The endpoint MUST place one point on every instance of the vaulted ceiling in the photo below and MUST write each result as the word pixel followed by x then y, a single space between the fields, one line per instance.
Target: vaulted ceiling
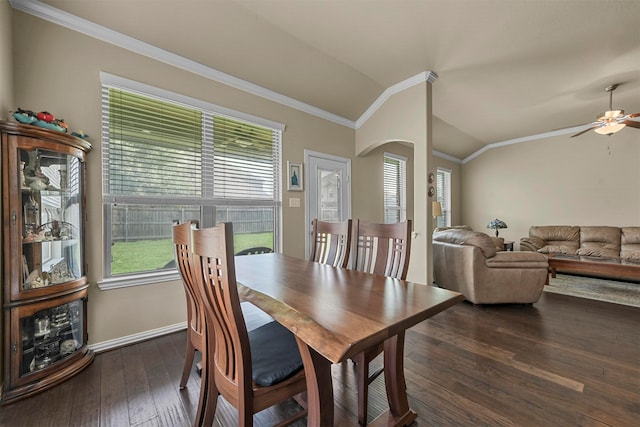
pixel 507 69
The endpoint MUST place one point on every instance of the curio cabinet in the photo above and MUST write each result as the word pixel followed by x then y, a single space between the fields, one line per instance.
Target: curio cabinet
pixel 44 322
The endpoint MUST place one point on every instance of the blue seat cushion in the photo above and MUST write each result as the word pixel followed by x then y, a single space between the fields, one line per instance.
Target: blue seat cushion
pixel 274 354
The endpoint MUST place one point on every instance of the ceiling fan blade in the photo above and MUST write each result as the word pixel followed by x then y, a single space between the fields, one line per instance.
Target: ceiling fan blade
pixel 585 131
pixel 633 115
pixel 632 123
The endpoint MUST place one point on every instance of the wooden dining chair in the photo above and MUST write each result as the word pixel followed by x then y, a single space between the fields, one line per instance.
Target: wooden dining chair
pixel 251 370
pixel 196 326
pixel 331 242
pixel 256 250
pixel 382 249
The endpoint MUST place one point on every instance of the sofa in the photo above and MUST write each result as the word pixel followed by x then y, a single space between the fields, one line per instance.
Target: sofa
pixel 468 262
pixel 595 241
pixel 615 249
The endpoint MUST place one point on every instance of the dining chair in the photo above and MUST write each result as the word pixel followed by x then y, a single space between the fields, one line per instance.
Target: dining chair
pixel 331 242
pixel 382 249
pixel 196 326
pixel 252 370
pixel 256 250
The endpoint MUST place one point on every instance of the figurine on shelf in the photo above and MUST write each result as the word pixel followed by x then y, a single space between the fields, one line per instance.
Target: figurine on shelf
pixel 34 281
pixel 80 134
pixel 23 184
pixel 33 176
pixel 24 116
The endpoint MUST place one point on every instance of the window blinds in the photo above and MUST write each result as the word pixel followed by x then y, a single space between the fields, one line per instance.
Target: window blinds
pixel 154 150
pixel 395 179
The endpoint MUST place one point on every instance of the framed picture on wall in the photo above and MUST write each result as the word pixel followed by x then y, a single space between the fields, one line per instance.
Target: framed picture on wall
pixel 294 176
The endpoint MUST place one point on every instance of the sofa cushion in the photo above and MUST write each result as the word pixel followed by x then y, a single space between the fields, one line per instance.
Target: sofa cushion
pixel 630 243
pixel 600 241
pixel 564 239
pixel 468 238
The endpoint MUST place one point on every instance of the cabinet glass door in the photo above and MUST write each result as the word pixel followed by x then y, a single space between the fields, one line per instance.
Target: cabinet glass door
pixel 50 335
pixel 50 184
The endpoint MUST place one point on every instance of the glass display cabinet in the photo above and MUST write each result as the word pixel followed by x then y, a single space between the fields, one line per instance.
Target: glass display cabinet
pixel 43 268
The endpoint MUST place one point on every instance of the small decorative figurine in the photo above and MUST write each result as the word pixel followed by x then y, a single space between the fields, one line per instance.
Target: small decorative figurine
pixel 24 116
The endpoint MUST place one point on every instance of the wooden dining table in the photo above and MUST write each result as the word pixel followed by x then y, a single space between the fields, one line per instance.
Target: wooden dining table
pixel 336 313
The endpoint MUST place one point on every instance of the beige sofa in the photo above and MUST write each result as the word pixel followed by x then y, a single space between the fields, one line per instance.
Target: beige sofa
pixel 594 241
pixel 600 251
pixel 468 262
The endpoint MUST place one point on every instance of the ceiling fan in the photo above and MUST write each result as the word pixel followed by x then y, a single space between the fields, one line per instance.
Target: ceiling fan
pixel 612 121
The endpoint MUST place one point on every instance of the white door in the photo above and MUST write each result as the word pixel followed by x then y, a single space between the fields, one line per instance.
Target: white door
pixel 328 195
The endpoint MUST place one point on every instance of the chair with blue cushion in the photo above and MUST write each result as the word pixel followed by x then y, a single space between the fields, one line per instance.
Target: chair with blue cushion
pixel 251 370
pixel 255 251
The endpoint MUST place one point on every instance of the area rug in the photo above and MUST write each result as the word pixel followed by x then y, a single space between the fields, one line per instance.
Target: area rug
pixel 625 293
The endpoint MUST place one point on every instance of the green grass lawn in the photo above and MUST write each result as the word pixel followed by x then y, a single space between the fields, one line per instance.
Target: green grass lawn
pixel 149 255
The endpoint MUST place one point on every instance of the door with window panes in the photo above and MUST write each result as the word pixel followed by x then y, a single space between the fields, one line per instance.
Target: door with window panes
pixel 328 189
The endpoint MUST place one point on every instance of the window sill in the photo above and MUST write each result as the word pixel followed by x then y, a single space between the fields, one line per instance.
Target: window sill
pixel 137 280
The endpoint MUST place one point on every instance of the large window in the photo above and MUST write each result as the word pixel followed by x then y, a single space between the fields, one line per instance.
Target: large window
pixel 166 160
pixel 395 188
pixel 443 183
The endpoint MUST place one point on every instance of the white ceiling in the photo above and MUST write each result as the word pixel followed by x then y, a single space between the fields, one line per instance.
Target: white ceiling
pixel 507 68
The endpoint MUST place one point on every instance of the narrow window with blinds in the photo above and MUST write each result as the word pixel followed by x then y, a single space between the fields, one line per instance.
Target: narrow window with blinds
pixel 395 188
pixel 166 161
pixel 443 184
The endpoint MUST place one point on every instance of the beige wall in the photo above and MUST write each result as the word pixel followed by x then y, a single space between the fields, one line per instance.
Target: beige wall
pixel 68 85
pixel 367 203
pixel 588 180
pixel 6 61
pixel 404 117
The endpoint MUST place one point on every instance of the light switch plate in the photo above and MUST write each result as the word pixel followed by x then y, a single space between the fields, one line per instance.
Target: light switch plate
pixel 294 202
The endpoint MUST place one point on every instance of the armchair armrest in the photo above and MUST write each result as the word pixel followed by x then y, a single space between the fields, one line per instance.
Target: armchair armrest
pixel 518 260
pixel 531 244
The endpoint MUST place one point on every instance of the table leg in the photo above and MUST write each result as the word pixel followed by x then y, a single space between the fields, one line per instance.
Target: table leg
pixel 399 413
pixel 317 371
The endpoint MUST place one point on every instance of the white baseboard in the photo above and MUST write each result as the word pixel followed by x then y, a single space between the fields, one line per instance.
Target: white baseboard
pixel 140 336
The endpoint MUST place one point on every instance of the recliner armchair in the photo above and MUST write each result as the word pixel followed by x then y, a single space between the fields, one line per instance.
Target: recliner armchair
pixel 468 262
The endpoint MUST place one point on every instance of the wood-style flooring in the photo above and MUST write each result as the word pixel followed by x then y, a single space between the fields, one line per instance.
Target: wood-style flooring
pixel 566 361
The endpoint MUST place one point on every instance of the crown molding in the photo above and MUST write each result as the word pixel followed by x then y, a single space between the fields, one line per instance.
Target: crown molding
pixel 445 156
pixel 425 76
pixel 535 137
pixel 75 23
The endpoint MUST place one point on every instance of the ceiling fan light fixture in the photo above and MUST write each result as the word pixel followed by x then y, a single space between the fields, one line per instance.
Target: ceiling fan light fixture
pixel 610 128
pixel 613 114
pixel 611 121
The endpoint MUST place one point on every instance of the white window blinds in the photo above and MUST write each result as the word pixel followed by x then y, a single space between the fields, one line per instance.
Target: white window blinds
pixel 443 184
pixel 158 148
pixel 154 148
pixel 395 192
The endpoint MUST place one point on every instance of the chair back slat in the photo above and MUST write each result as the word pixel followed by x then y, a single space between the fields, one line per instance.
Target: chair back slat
pixel 184 261
pixel 331 242
pixel 383 248
pixel 213 248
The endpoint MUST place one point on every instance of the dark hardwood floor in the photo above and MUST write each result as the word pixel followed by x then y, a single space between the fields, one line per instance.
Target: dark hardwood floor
pixel 566 361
